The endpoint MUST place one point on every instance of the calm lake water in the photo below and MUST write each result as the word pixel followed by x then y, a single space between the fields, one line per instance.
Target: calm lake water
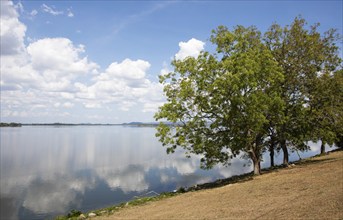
pixel 47 171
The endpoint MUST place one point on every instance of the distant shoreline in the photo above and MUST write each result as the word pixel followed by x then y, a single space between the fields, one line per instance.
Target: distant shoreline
pixel 133 124
pixel 12 124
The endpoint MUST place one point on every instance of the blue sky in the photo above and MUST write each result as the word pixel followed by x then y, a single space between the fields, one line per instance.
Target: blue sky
pixel 99 61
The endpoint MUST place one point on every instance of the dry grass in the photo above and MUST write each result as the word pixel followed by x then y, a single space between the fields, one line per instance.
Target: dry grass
pixel 309 190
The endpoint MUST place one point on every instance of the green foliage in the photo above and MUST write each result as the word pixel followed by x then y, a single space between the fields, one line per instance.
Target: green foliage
pixel 74 213
pixel 303 53
pixel 326 104
pixel 254 92
pixel 12 124
pixel 222 101
pixel 323 109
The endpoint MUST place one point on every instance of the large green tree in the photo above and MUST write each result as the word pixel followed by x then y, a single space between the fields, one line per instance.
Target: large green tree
pixel 222 103
pixel 302 53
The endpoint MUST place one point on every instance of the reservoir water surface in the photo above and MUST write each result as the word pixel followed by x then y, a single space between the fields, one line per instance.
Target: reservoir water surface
pixel 49 170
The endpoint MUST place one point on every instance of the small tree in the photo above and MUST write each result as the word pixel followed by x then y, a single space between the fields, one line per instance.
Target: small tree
pixel 222 102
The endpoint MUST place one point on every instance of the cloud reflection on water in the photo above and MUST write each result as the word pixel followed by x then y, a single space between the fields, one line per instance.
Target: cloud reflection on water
pixel 50 170
pixel 128 179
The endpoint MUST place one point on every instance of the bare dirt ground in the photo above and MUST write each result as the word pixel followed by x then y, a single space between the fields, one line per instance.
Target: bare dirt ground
pixel 310 190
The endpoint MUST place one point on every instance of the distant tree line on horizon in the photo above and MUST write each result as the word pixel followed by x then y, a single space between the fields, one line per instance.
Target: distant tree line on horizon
pixel 258 92
pixel 57 124
pixel 11 124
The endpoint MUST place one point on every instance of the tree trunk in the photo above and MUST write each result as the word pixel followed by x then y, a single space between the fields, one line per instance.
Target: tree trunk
pixel 322 148
pixel 255 153
pixel 339 142
pixel 257 167
pixel 285 152
pixel 271 153
pixel 256 162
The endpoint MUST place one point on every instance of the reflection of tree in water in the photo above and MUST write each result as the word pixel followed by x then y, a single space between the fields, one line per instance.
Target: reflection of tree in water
pixel 174 170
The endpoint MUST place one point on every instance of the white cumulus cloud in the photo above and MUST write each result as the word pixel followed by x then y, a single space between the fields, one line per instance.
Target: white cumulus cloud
pixel 124 84
pixel 128 69
pixel 191 48
pixel 12 31
pixel 49 64
pixel 58 57
pixel 53 77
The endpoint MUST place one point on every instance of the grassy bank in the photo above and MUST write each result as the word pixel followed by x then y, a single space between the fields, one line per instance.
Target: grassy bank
pixel 310 189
